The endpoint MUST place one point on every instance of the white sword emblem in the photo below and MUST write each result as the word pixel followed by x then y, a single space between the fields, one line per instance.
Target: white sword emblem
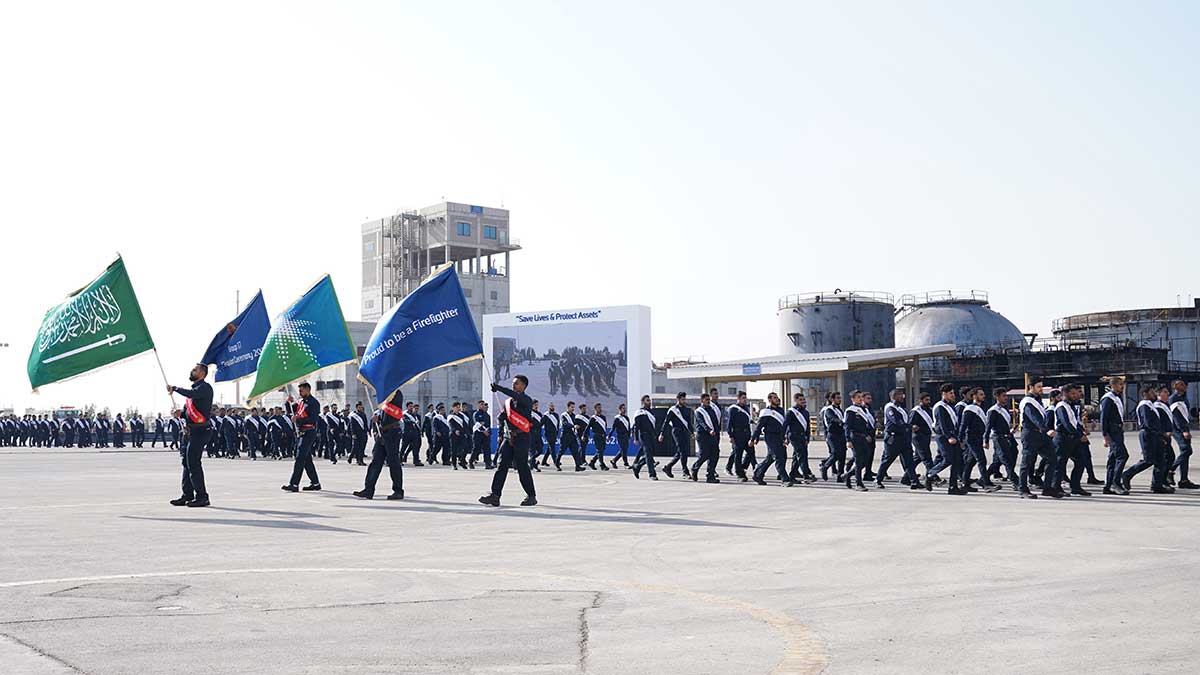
pixel 109 340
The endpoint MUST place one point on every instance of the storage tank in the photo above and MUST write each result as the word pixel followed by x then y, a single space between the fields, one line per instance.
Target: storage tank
pixel 963 318
pixel 836 321
pixel 1176 329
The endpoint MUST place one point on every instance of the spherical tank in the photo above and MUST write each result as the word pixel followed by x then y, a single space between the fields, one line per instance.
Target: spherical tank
pixel 838 321
pixel 969 322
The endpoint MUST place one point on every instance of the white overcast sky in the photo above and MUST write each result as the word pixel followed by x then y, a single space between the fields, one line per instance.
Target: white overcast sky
pixel 703 158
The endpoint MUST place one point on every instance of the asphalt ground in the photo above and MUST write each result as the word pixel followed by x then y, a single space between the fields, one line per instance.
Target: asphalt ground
pixel 99 574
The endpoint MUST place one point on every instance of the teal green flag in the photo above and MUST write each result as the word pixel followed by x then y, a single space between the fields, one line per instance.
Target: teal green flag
pixel 95 326
pixel 308 336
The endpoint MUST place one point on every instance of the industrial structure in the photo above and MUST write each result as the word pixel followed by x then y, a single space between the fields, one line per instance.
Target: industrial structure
pixel 1147 346
pixel 963 319
pixel 1172 330
pixel 839 321
pixel 837 368
pixel 398 253
pixel 992 352
pixel 663 389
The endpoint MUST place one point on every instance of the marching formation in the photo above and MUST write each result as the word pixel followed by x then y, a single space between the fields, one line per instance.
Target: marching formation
pixel 942 443
pixel 84 431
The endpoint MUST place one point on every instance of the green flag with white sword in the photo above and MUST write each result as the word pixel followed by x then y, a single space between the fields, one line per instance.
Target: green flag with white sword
pixel 97 325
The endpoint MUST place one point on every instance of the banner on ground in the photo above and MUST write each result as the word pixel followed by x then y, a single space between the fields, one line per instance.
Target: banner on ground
pixel 306 337
pixel 236 347
pixel 431 328
pixel 96 326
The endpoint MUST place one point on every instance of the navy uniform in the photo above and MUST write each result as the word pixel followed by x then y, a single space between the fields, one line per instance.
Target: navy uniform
pixel 273 433
pixel 1112 427
pixel 1181 425
pixel 1035 443
pixel 583 423
pixel 1151 436
pixel 708 441
pixel 389 425
pixel 798 422
pixel 307 418
pixel 535 438
pixel 1069 436
pixel 430 435
pixel 229 431
pixel 945 427
pixel 999 431
pixel 621 430
pixel 833 422
pixel 647 435
pixel 464 440
pixel 897 444
pixel 253 434
pixel 359 426
pixel 570 438
pixel 118 432
pixel 598 426
pixel 679 425
pixel 860 434
pixel 550 422
pixel 513 450
pixel 740 430
pixel 481 438
pixel 174 430
pixel 160 428
pixel 972 433
pixel 321 427
pixel 1167 457
pixel 197 410
pixel 458 431
pixel 771 429
pixel 411 437
pixel 441 435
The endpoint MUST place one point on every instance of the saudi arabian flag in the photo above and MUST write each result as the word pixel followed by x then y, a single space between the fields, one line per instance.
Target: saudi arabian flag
pixel 308 336
pixel 95 326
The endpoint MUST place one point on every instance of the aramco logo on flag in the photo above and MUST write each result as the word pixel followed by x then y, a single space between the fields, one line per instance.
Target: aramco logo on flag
pixel 306 337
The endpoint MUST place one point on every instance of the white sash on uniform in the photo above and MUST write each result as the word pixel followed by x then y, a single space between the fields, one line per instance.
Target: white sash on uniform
pixel 1003 413
pixel 802 419
pixel 925 416
pixel 953 412
pixel 1118 401
pixel 1070 412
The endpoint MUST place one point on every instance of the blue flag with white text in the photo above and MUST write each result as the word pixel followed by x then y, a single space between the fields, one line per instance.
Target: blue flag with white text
pixel 235 348
pixel 431 328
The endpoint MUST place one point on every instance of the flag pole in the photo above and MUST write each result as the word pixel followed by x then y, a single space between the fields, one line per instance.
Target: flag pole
pixel 237 307
pixel 170 395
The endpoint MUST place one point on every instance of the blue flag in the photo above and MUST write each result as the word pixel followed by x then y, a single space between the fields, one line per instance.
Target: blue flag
pixel 235 348
pixel 308 336
pixel 430 329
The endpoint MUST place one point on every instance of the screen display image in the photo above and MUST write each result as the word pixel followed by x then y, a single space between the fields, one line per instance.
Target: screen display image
pixel 581 362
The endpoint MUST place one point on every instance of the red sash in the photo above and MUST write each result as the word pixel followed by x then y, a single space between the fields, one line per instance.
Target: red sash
pixel 193 415
pixel 515 418
pixel 393 410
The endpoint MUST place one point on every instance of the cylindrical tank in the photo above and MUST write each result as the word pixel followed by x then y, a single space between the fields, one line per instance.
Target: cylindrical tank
pixel 1176 329
pixel 836 321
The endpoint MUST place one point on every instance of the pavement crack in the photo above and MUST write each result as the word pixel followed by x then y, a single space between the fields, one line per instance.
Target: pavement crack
pixel 585 648
pixel 43 653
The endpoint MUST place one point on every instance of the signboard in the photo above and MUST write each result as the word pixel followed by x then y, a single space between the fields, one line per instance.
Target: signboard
pixel 590 355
